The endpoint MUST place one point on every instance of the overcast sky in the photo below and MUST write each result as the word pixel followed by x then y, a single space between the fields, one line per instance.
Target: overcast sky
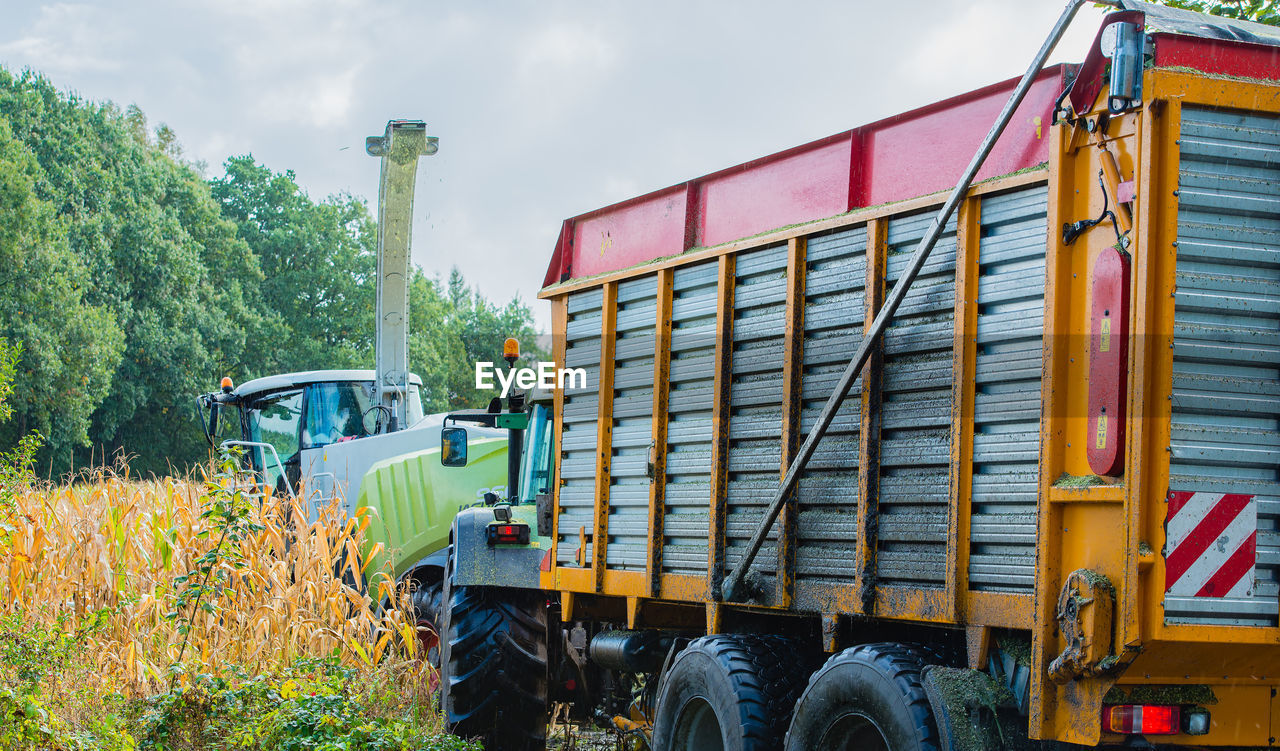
pixel 544 109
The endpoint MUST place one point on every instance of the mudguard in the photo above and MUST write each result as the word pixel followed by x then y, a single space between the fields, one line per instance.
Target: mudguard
pixel 430 568
pixel 477 563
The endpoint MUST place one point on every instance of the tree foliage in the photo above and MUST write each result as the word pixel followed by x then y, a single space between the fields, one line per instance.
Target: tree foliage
pixel 317 261
pixel 134 283
pixel 1264 11
pixel 15 465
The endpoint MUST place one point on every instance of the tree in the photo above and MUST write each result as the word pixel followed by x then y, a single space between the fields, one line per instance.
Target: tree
pixel 15 466
pixel 1264 11
pixel 72 348
pixel 482 327
pixel 149 281
pixel 317 261
pixel 436 352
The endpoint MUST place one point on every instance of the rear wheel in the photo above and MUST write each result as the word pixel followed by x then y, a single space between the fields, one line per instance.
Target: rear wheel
pixel 867 698
pixel 729 693
pixel 493 666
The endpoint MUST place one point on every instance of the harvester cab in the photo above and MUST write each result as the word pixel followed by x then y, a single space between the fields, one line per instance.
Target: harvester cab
pixel 286 423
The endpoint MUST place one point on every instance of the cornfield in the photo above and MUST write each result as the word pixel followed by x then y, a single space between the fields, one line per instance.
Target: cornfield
pixel 119 552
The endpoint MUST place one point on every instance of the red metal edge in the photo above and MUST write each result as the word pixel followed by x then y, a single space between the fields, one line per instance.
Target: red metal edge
pixel 911 154
pixel 558 269
pixel 1217 56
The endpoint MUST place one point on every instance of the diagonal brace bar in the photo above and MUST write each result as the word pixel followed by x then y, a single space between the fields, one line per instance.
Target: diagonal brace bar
pixel 881 322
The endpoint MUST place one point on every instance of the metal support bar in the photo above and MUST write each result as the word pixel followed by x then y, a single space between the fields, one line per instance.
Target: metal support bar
pixel 734 579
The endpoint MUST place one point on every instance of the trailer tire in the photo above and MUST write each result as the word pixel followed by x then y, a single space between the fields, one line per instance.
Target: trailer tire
pixel 869 696
pixel 728 692
pixel 493 666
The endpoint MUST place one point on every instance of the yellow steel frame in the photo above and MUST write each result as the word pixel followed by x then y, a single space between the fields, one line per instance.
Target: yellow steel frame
pixel 559 325
pixel 726 272
pixel 963 367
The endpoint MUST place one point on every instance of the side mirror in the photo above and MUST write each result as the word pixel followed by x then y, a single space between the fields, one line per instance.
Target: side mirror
pixel 453 447
pixel 214 409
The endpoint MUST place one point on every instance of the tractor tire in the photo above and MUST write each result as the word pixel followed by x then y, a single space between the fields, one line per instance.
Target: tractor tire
pixel 729 693
pixel 425 601
pixel 493 667
pixel 867 697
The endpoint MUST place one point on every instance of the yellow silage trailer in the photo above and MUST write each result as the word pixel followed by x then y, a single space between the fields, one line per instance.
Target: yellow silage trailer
pixel 1046 506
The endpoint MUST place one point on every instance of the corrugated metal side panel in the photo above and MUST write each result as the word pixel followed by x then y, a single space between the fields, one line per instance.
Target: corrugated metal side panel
pixel 1006 423
pixel 687 495
pixel 915 439
pixel 1225 426
pixel 632 423
pixel 581 410
pixel 755 399
pixel 834 310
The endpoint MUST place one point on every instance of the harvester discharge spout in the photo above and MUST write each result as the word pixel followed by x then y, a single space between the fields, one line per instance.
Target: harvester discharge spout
pixel 399 148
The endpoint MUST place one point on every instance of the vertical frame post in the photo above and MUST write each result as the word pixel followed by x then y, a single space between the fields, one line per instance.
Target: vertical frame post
pixel 726 275
pixel 604 433
pixel 559 343
pixel 964 359
pixel 869 440
pixel 1056 354
pixel 658 446
pixel 792 372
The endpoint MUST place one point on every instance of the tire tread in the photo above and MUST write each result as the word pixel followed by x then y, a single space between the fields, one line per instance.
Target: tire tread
pixel 762 672
pixel 496 676
pixel 901 664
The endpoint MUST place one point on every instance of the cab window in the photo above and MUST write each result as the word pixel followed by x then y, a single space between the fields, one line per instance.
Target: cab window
pixel 228 428
pixel 535 474
pixel 335 412
pixel 275 419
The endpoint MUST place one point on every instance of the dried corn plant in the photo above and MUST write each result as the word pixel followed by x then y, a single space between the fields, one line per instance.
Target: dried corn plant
pixel 123 548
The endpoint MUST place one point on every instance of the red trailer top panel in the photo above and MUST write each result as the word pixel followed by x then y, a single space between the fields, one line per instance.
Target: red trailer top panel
pixel 905 156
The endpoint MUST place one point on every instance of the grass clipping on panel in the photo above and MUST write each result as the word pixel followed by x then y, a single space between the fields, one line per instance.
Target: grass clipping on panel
pixel 163 580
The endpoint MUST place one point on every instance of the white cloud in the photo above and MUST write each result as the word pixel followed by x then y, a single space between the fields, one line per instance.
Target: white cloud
pixel 68 38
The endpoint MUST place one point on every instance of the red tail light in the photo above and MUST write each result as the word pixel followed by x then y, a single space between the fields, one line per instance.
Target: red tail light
pixel 1141 719
pixel 508 534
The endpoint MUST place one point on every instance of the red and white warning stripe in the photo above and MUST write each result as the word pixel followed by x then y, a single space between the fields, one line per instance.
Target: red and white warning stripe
pixel 1211 544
